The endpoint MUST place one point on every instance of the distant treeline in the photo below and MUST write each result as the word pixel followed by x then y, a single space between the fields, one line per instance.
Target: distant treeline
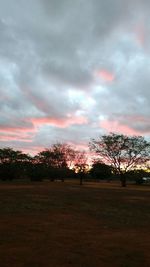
pixel 59 162
pixel 117 157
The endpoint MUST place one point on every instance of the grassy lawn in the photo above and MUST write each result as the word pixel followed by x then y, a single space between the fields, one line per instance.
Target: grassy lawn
pixel 63 224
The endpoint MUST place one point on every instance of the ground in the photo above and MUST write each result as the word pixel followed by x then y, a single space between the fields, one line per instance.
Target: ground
pixel 64 224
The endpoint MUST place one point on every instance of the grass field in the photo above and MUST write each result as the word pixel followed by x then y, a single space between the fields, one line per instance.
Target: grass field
pixel 63 224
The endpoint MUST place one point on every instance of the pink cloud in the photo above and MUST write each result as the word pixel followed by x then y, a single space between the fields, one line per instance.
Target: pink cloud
pixel 105 75
pixel 16 134
pixel 140 34
pixel 36 100
pixel 16 129
pixel 79 146
pixel 5 138
pixel 138 118
pixel 115 126
pixel 61 123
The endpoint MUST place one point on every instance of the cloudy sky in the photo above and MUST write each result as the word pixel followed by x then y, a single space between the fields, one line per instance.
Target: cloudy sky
pixel 72 70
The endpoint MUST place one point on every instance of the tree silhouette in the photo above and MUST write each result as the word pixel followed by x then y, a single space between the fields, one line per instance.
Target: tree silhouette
pixel 122 152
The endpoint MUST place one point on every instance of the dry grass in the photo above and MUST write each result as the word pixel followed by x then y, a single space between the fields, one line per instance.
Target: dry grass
pixel 64 224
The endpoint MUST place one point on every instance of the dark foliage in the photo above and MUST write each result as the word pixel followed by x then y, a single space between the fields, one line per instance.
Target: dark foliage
pixel 101 171
pixel 122 152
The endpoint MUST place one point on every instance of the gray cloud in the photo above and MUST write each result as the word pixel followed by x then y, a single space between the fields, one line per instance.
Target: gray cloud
pixel 85 59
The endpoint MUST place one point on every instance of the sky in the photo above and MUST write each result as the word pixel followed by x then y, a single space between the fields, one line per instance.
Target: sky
pixel 73 70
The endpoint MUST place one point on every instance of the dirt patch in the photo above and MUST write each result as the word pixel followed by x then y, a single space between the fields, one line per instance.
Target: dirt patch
pixel 63 224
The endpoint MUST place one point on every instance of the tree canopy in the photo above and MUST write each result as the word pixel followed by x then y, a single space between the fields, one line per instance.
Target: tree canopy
pixel 122 152
pixel 115 153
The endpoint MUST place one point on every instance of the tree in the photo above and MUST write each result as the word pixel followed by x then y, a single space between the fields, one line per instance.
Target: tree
pixel 58 155
pixel 12 163
pixel 101 170
pixel 8 155
pixel 80 164
pixel 57 160
pixel 122 152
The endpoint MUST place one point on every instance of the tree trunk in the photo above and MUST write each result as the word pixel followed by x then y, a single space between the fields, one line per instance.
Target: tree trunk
pixel 81 178
pixel 81 181
pixel 123 180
